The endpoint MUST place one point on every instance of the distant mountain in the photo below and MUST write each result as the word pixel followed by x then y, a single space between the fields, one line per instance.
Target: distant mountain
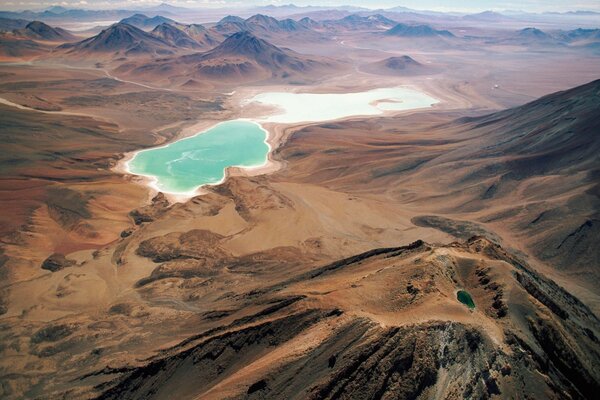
pixel 581 36
pixel 533 33
pixel 399 63
pixel 402 62
pixel 400 9
pixel 175 36
pixel 165 7
pixel 9 25
pixel 63 14
pixel 417 31
pixel 242 57
pixel 231 24
pixel 259 24
pixel 122 39
pixel 38 30
pixel 487 16
pixel 206 38
pixel 402 65
pixel 57 9
pixel 263 21
pixel 143 22
pixel 291 9
pixel 310 23
pixel 531 37
pixel 270 24
pixel 358 22
pixel 244 45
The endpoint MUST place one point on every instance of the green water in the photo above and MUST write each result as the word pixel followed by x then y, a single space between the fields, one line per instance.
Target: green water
pixel 465 298
pixel 185 165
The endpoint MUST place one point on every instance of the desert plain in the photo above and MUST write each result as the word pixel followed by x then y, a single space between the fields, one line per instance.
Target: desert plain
pixel 332 271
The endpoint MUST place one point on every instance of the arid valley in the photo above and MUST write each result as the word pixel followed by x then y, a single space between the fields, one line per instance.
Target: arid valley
pixel 420 220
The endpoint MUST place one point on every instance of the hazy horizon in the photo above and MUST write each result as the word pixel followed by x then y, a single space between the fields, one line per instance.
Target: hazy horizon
pixel 466 6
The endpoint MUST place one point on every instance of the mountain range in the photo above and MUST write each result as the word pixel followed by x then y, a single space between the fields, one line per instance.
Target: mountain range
pixel 143 22
pixel 241 57
pixel 175 37
pixel 119 39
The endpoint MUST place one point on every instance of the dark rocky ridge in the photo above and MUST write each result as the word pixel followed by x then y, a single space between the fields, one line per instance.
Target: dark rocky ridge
pixel 362 359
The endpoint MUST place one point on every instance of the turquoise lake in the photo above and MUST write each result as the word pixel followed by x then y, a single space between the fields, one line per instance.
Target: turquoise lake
pixel 185 165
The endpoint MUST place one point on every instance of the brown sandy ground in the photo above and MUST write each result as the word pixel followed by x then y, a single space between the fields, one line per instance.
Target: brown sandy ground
pixel 238 280
pixel 234 268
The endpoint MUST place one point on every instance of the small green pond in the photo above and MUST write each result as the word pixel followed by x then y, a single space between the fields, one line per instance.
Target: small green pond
pixel 465 298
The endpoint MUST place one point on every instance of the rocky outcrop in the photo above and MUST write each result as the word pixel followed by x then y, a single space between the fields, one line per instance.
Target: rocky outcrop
pixel 196 244
pixel 149 213
pixel 56 262
pixel 52 333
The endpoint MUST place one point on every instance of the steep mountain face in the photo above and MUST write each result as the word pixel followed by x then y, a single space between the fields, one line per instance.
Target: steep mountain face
pixel 120 39
pixel 143 22
pixel 175 36
pixel 556 136
pixel 40 31
pixel 417 31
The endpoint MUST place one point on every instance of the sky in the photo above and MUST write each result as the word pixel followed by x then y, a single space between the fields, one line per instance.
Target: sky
pixel 439 5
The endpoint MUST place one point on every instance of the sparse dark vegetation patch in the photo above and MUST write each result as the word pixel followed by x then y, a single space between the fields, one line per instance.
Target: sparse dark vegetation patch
pixel 52 333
